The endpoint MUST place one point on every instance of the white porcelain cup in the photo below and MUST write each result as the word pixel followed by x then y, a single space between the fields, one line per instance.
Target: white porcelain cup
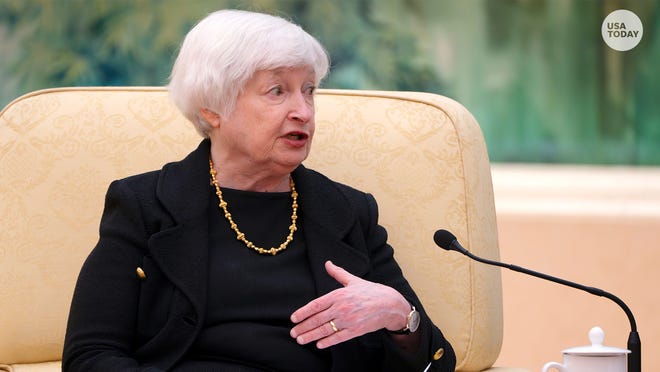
pixel 583 363
pixel 594 358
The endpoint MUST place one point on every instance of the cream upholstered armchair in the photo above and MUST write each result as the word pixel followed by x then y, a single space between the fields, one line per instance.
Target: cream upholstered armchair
pixel 421 155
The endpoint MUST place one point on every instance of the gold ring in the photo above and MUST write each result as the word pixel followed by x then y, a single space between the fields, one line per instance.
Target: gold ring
pixel 334 327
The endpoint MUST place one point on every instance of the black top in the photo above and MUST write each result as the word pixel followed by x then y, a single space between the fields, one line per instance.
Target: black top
pixel 251 295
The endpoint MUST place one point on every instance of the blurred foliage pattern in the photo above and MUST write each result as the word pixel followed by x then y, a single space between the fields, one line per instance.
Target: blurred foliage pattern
pixel 536 73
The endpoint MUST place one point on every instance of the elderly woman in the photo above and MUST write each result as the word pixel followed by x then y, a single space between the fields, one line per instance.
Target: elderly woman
pixel 238 258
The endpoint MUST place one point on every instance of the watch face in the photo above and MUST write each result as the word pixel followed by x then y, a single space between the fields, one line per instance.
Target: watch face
pixel 413 321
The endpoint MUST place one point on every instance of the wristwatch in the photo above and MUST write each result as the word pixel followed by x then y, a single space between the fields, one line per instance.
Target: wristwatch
pixel 411 324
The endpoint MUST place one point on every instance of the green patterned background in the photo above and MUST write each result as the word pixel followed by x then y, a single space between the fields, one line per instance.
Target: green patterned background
pixel 535 73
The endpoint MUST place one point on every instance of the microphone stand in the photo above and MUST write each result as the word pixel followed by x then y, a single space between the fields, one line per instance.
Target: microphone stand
pixel 634 342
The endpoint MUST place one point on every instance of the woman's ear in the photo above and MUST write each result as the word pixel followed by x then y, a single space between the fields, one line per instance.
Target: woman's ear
pixel 212 118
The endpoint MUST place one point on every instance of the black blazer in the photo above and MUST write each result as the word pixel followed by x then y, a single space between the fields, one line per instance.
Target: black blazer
pixel 158 221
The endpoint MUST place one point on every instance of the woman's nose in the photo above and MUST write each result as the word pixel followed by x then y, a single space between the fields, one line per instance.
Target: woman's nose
pixel 302 108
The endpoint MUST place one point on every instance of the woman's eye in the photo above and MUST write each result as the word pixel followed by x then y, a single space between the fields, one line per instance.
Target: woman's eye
pixel 277 91
pixel 310 90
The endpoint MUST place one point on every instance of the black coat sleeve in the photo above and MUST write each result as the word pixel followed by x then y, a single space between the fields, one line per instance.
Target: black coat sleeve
pixel 101 329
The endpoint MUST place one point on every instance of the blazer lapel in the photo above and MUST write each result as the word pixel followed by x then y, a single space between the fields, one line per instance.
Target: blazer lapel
pixel 327 223
pixel 182 250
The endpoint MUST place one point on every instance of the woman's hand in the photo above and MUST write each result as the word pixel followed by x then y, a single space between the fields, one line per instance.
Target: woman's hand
pixel 358 308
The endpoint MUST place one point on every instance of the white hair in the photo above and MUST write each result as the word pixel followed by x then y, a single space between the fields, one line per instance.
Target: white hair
pixel 222 52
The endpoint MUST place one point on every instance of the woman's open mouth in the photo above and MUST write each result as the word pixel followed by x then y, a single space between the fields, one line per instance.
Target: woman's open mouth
pixel 297 136
pixel 297 139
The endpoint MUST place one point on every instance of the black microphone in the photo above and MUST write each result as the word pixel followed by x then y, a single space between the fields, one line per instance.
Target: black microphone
pixel 446 240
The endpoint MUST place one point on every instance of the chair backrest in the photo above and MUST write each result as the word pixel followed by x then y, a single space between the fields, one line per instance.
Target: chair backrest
pixel 422 156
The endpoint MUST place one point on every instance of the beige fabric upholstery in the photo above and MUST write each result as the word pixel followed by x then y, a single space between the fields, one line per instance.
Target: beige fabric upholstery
pixel 33 367
pixel 421 155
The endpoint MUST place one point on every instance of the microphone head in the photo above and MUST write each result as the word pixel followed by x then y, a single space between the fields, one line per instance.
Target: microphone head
pixel 444 239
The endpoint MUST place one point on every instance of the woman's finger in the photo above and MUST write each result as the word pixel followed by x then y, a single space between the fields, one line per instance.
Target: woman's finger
pixel 339 274
pixel 312 323
pixel 321 332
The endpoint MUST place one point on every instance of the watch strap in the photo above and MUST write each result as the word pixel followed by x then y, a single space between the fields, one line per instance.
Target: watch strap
pixel 406 330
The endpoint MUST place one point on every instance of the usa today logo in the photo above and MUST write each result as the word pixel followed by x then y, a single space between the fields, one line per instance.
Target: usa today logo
pixel 622 30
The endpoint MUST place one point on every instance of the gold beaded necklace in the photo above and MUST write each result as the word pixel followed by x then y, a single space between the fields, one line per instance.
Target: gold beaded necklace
pixel 241 236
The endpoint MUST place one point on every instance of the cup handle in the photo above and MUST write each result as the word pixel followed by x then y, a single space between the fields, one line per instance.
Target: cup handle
pixel 557 366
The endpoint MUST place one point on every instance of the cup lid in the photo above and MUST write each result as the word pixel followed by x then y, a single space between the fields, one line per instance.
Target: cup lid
pixel 596 336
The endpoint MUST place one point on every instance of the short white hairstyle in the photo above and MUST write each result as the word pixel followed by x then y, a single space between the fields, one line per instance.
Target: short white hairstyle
pixel 224 50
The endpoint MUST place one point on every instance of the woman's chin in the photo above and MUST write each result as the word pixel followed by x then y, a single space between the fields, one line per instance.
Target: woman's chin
pixel 294 159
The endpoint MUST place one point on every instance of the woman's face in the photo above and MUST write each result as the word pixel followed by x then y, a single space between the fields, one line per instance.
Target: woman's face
pixel 272 125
